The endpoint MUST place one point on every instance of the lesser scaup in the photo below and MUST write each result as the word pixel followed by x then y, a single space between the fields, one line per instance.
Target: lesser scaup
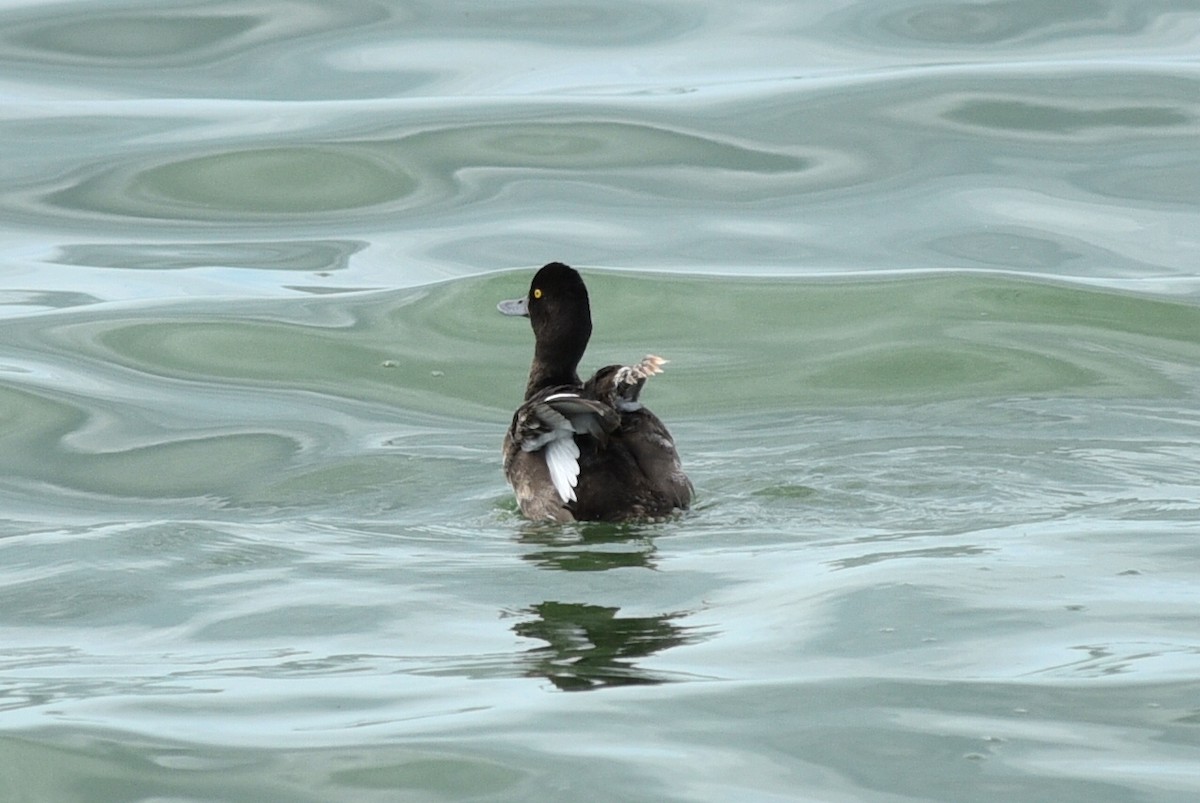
pixel 585 451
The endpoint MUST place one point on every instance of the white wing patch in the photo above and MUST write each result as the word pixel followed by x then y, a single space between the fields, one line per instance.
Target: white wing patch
pixel 562 458
pixel 550 426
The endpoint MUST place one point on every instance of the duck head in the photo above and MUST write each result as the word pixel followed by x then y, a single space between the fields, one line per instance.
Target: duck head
pixel 558 309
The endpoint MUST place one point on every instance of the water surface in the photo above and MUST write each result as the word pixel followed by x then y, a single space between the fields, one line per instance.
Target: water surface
pixel 926 276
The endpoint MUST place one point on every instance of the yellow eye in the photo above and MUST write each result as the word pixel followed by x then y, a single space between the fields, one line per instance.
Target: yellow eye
pixel 537 293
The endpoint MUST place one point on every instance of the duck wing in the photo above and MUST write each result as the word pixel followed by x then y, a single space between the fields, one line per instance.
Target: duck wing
pixel 550 422
pixel 620 385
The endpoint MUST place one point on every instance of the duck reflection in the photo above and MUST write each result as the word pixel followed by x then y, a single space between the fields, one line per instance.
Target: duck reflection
pixel 589 548
pixel 591 647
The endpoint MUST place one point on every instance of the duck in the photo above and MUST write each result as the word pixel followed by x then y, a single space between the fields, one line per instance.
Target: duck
pixel 585 451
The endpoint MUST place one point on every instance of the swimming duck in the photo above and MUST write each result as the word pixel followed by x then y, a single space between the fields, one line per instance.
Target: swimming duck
pixel 585 451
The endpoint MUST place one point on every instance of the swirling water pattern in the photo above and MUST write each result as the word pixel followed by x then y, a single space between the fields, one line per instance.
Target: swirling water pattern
pixel 926 273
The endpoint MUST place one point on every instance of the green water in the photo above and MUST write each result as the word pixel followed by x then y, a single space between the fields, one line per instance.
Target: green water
pixel 926 277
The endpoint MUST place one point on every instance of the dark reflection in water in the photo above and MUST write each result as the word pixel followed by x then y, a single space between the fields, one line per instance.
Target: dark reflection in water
pixel 591 647
pixel 591 548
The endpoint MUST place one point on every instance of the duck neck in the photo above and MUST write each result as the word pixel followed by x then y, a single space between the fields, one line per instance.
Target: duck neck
pixel 557 362
pixel 542 377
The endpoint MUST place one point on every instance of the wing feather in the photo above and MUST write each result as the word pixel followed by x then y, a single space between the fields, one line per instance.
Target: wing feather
pixel 562 458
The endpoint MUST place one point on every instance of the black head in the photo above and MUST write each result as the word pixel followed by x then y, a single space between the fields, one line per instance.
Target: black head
pixel 558 309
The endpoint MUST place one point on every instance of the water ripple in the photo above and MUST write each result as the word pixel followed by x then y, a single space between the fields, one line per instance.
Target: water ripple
pixel 1020 23
pixel 317 256
pixel 378 399
pixel 425 169
pixel 196 48
pixel 925 272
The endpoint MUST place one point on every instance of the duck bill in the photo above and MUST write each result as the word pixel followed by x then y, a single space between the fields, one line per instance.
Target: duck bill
pixel 516 306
